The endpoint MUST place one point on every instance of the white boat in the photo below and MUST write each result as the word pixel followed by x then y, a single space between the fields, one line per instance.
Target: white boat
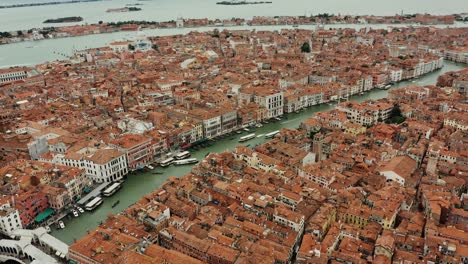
pixel 248 137
pixel 278 118
pixel 185 161
pixel 259 125
pixel 80 209
pixel 182 155
pixel 93 204
pixel 47 228
pixel 388 86
pixel 166 162
pixel 61 224
pixel 113 188
pixel 75 213
pixel 150 167
pixel 272 134
pixel 246 129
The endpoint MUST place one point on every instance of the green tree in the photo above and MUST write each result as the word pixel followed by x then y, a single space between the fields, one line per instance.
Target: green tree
pixel 396 111
pixel 5 34
pixel 305 47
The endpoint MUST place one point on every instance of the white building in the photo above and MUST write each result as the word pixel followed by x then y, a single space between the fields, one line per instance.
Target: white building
pixel 272 101
pixel 180 22
pixel 367 113
pixel 9 219
pixel 289 218
pixel 119 46
pixel 399 169
pixel 268 97
pixel 395 75
pixel 459 121
pixel 426 66
pixel 212 126
pixel 100 165
pixel 15 74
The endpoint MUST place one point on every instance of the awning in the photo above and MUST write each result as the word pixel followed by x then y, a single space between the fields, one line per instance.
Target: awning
pixel 46 213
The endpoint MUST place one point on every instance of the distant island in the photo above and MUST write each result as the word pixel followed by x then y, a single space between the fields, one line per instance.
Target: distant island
pixel 48 3
pixel 242 3
pixel 64 20
pixel 124 9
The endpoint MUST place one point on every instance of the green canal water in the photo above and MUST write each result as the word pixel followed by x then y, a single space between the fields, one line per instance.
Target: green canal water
pixel 140 184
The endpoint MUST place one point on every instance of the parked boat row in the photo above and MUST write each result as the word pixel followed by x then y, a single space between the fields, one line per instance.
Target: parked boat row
pixel 248 137
pixel 185 161
pixel 182 155
pixel 272 134
pixel 113 188
pixel 170 161
pixel 166 162
pixel 94 203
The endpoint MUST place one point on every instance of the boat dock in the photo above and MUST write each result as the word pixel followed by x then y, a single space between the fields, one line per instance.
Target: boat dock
pixel 96 192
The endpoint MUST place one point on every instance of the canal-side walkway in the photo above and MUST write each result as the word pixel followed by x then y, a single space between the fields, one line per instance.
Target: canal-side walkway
pixel 96 192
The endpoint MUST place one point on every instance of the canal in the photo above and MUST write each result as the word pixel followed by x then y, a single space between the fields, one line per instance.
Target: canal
pixel 140 184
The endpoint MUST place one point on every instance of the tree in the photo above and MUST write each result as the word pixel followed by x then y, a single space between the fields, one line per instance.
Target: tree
pixel 5 34
pixel 396 116
pixel 305 47
pixel 396 111
pixel 20 33
pixel 131 47
pixel 100 22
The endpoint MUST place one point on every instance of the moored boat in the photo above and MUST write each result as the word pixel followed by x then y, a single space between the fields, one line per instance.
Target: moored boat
pixel 166 162
pixel 272 134
pixel 182 155
pixel 113 188
pixel 93 204
pixel 248 137
pixel 185 161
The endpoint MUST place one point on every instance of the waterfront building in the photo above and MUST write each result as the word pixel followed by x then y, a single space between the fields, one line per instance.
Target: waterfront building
pixel 267 97
pixel 9 217
pixel 137 148
pixel 99 164
pixel 15 74
pixel 366 113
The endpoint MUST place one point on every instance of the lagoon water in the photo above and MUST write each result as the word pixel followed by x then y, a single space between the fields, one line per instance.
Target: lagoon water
pixel 163 10
pixel 30 53
pixel 35 52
